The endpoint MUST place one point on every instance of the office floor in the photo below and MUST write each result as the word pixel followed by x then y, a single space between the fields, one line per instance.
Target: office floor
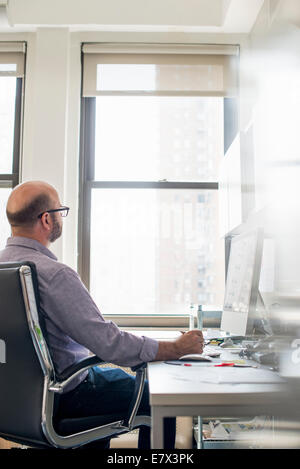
pixel 184 436
pixel 4 444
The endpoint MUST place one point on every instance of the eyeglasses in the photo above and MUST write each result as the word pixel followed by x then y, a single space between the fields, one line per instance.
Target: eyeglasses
pixel 63 211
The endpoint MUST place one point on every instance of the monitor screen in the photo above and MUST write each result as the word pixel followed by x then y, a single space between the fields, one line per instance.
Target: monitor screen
pixel 242 282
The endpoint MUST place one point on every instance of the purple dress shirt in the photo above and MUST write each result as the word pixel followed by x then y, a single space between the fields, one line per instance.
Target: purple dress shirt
pixel 75 326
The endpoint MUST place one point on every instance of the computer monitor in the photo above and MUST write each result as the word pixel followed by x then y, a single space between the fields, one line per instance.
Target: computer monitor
pixel 242 281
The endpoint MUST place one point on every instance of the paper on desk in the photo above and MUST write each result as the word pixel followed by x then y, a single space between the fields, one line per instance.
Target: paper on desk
pixel 194 373
pixel 247 375
pixel 226 375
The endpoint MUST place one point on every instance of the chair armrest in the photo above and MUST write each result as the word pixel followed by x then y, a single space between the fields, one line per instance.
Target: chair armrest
pixel 138 367
pixel 64 378
pixel 140 378
pixel 74 370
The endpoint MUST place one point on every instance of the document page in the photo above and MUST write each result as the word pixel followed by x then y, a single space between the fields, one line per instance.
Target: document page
pixel 247 375
pixel 226 375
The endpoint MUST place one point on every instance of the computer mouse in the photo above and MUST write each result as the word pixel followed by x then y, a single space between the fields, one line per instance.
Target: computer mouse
pixel 227 344
pixel 195 357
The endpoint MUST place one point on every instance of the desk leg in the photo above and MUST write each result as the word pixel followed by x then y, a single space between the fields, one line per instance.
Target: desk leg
pixel 157 430
pixel 200 434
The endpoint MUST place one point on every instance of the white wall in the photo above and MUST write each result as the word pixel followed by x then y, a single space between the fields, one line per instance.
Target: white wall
pixel 131 12
pixel 225 16
pixel 270 93
pixel 270 102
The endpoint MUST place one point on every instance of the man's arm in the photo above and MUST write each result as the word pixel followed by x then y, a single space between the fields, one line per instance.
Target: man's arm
pixel 190 342
pixel 70 307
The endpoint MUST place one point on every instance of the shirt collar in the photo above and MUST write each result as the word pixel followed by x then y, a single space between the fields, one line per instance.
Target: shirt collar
pixel 30 244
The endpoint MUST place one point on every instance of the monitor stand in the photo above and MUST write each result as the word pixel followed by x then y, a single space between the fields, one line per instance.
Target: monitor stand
pixel 261 325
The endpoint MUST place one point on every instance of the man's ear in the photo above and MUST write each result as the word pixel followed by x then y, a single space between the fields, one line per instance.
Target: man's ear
pixel 45 220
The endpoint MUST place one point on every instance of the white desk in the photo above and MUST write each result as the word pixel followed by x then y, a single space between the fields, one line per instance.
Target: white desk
pixel 173 394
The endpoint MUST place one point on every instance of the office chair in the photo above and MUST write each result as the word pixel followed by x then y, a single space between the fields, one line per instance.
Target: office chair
pixel 29 381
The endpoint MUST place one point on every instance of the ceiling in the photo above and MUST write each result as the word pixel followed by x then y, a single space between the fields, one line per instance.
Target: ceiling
pixel 223 16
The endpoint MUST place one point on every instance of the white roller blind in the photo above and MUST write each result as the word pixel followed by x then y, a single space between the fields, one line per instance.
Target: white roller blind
pixel 12 59
pixel 200 70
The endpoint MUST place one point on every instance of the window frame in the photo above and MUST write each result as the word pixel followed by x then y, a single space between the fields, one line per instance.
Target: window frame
pixel 11 180
pixel 87 183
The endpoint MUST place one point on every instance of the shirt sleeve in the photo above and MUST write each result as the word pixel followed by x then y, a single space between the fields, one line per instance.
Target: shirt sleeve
pixel 69 305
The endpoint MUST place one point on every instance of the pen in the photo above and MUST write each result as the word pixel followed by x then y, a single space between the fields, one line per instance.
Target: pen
pixel 241 365
pixel 173 363
pixel 237 365
pixel 178 364
pixel 225 364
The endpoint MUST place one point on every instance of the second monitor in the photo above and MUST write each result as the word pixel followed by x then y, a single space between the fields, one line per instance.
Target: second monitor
pixel 241 292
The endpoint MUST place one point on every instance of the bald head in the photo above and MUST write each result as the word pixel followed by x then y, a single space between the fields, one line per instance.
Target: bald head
pixel 27 201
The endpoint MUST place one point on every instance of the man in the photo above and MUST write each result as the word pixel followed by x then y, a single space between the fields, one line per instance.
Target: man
pixel 74 324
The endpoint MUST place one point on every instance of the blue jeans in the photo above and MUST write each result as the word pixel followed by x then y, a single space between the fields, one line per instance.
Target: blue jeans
pixel 108 391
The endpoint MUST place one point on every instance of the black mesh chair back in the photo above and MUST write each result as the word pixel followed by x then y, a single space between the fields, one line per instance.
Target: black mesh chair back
pixel 21 373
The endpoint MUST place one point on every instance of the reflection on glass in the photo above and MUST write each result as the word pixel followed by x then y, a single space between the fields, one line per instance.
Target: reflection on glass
pixel 154 138
pixel 7 117
pixel 155 251
pixel 5 228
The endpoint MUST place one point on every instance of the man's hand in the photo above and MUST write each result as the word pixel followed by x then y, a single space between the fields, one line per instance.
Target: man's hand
pixel 190 342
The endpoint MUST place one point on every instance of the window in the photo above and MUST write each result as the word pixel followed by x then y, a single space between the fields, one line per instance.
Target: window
pixel 152 141
pixel 11 86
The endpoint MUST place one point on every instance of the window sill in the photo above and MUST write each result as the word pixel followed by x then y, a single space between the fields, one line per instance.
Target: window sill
pixel 161 322
pixel 153 321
